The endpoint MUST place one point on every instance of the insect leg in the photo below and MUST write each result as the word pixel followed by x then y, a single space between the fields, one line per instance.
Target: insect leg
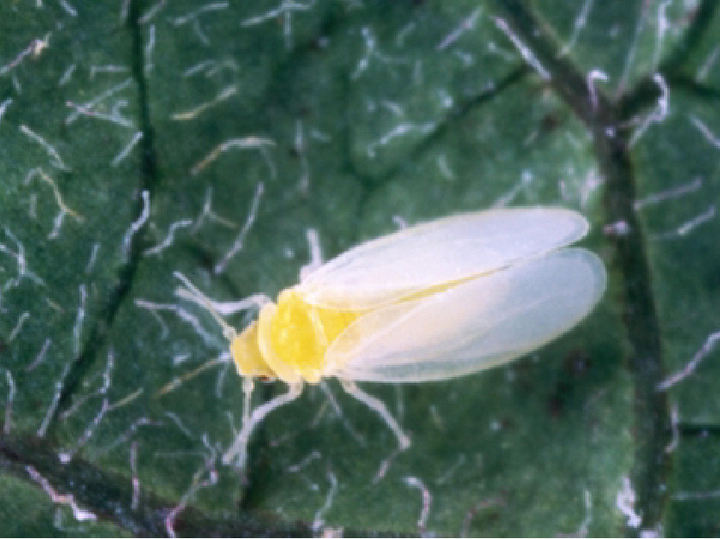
pixel 237 453
pixel 248 384
pixel 316 258
pixel 379 407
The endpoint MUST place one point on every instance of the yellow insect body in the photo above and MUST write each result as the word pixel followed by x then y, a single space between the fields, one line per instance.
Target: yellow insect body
pixel 438 300
pixel 289 341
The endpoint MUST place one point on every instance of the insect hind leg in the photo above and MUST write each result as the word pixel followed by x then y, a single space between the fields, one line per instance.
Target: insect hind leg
pixel 378 407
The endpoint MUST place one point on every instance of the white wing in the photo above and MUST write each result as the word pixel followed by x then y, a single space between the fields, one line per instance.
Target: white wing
pixel 478 324
pixel 384 270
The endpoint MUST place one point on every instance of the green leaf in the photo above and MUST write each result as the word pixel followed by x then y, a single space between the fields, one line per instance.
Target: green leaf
pixel 218 139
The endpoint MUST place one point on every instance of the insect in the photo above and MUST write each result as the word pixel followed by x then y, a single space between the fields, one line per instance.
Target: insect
pixel 434 301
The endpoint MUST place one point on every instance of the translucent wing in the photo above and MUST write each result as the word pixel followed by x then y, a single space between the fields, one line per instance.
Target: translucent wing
pixel 478 324
pixel 399 265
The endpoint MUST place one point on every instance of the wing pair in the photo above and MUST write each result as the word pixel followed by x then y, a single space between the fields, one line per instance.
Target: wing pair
pixel 489 287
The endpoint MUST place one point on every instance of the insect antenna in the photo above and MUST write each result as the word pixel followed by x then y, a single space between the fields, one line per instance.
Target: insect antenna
pixel 192 293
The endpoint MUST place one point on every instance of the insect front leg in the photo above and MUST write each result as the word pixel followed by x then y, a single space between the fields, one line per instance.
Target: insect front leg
pixel 248 384
pixel 237 454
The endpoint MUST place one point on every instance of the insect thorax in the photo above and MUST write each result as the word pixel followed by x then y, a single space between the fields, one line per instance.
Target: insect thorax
pixel 290 339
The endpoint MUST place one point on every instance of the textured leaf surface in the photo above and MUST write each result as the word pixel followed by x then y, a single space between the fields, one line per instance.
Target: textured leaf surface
pixel 138 139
